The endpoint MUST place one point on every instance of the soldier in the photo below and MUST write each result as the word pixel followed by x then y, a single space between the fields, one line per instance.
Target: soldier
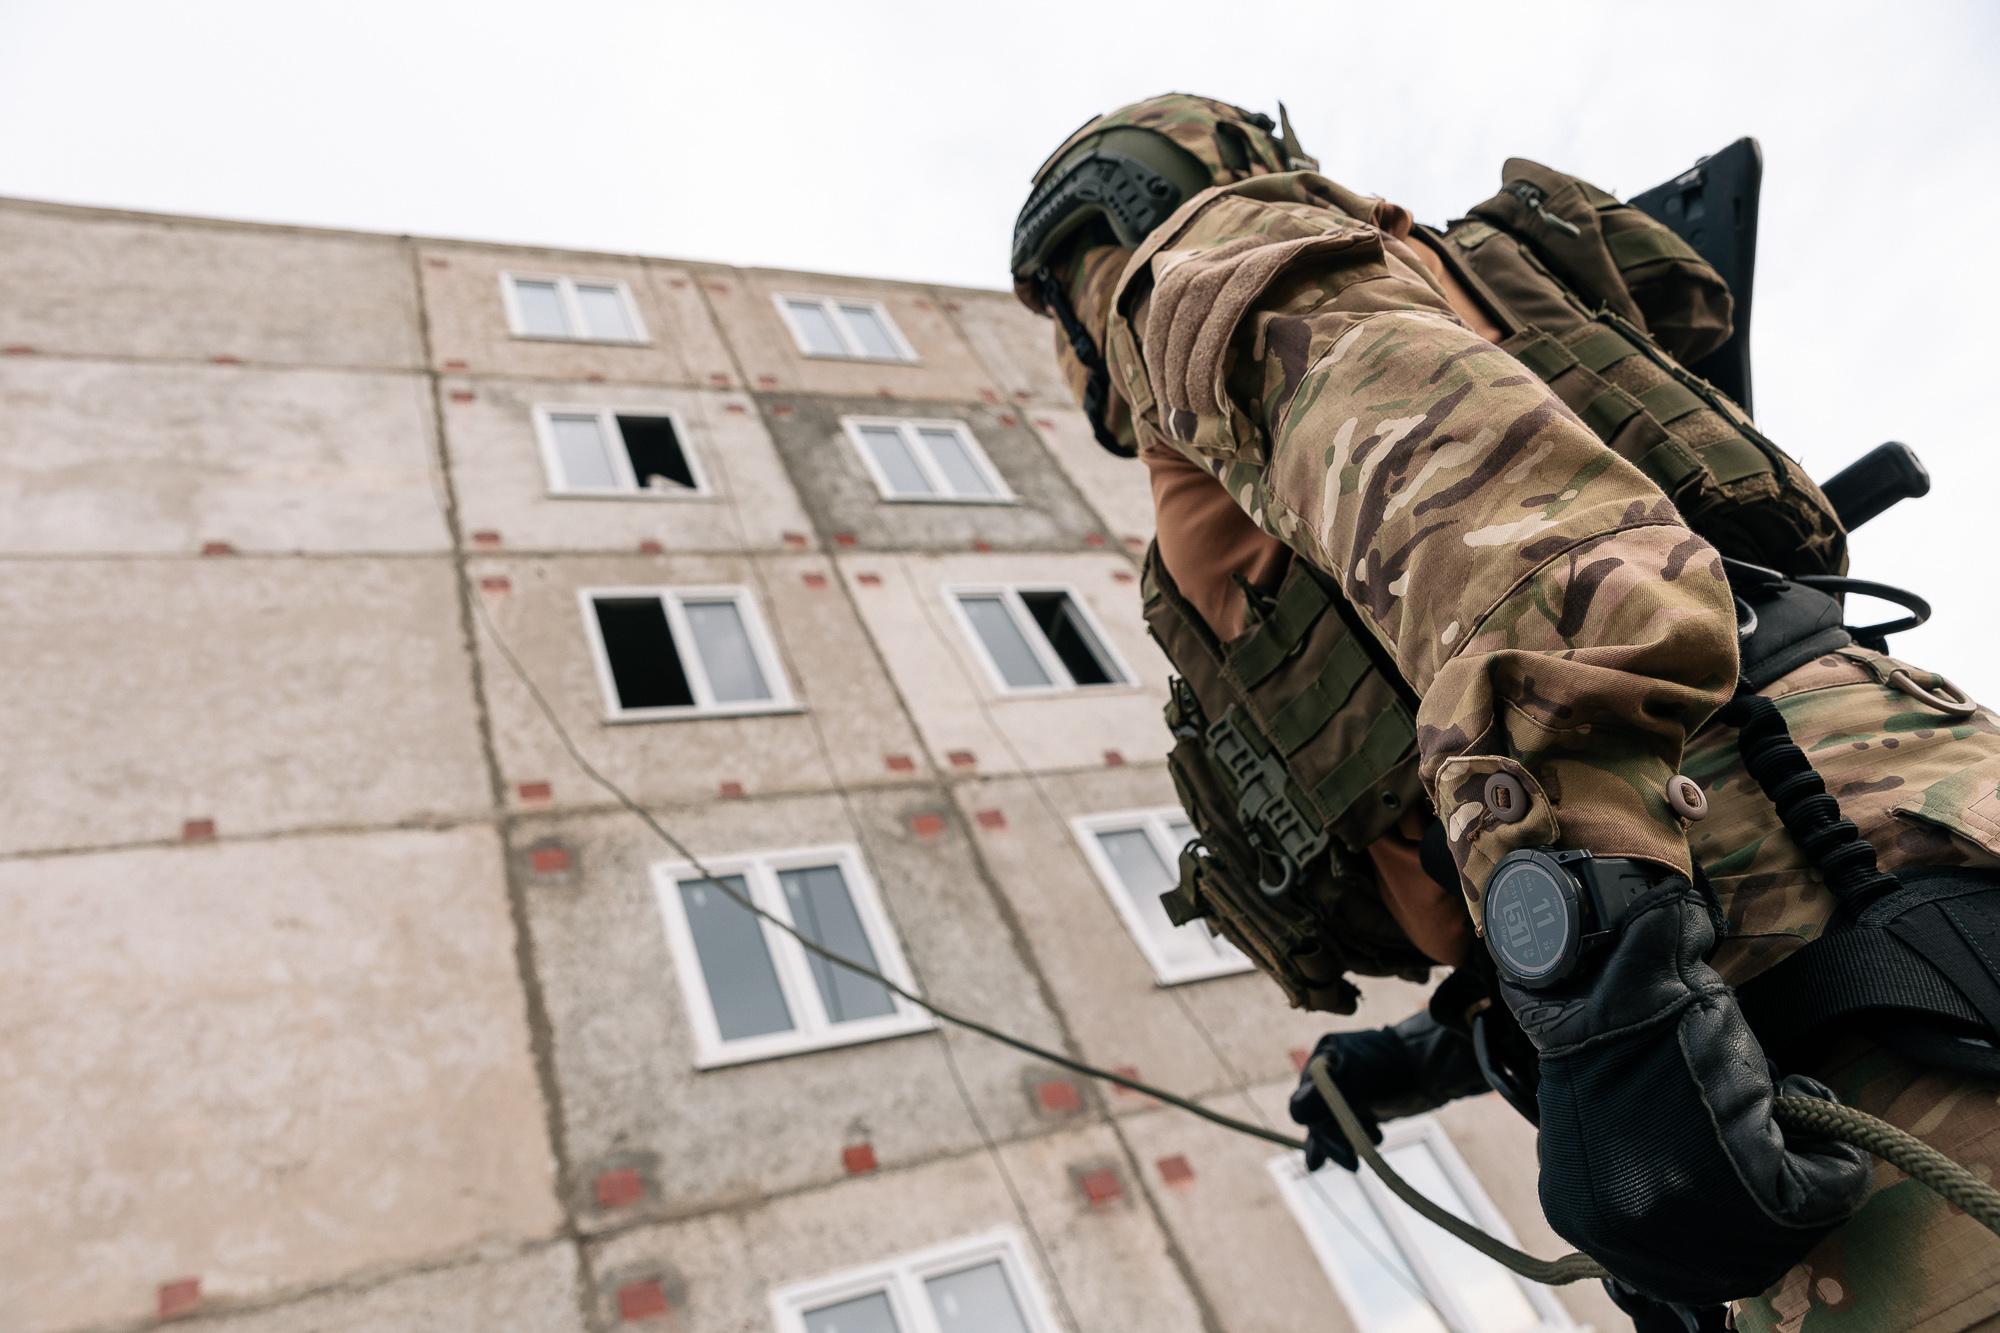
pixel 1491 620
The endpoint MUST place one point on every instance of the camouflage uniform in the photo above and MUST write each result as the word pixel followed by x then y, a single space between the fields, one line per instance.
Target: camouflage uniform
pixel 1560 623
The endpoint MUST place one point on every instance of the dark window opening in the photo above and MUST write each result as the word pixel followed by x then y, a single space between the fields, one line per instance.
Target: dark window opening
pixel 645 665
pixel 656 451
pixel 1063 625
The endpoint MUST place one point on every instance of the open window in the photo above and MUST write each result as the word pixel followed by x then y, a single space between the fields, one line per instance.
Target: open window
pixel 1136 857
pixel 1036 639
pixel 671 652
pixel 606 453
pixel 981 1284
pixel 578 309
pixel 1394 1269
pixel 926 460
pixel 844 328
pixel 754 992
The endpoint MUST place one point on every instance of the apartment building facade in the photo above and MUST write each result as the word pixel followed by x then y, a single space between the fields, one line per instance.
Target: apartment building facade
pixel 336 995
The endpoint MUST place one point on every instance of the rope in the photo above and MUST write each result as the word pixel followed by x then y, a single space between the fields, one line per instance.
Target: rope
pixel 1950 1181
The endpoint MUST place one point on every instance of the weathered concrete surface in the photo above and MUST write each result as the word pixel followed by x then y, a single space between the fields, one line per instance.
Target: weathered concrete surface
pixel 533 1292
pixel 848 508
pixel 825 654
pixel 503 487
pixel 946 369
pixel 469 331
pixel 1109 1268
pixel 625 1051
pixel 1195 1038
pixel 1119 488
pixel 1016 347
pixel 949 691
pixel 265 1065
pixel 102 283
pixel 262 694
pixel 113 456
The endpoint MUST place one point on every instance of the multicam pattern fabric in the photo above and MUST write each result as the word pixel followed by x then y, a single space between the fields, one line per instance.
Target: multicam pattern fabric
pixel 1541 596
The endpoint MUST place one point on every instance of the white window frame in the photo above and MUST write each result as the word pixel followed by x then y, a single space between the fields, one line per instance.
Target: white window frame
pixel 1038 642
pixel 572 309
pixel 829 306
pixel 674 599
pixel 902 1279
pixel 1334 1247
pixel 908 428
pixel 812 1030
pixel 621 458
pixel 1153 823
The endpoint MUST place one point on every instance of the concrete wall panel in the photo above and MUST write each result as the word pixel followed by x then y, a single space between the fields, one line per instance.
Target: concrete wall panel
pixel 109 456
pixel 1017 347
pixel 950 694
pixel 1118 488
pixel 534 1292
pixel 469 331
pixel 945 369
pixel 97 283
pixel 625 1052
pixel 261 694
pixel 503 486
pixel 848 508
pixel 263 1065
pixel 849 715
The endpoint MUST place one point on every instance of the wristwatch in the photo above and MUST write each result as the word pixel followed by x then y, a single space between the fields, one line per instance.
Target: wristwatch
pixel 1548 909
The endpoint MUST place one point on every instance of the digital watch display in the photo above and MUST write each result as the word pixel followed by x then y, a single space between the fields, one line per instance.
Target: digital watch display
pixel 1546 909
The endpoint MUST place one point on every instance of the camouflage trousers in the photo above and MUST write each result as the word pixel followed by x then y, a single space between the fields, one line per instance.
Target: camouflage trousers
pixel 1924 788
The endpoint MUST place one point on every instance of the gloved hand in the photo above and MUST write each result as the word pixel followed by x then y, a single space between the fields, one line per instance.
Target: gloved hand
pixel 1416 1066
pixel 1659 1155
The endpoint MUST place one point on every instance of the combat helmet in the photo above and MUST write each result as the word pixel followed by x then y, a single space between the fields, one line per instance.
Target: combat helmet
pixel 1108 185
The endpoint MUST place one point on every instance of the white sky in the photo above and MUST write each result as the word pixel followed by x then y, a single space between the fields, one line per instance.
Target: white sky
pixel 895 140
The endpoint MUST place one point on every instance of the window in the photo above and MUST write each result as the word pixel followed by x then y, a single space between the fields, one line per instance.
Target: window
pixel 1036 639
pixel 541 307
pixel 753 991
pixel 925 460
pixel 588 451
pixel 1398 1271
pixel 852 330
pixel 1136 856
pixel 664 653
pixel 978 1285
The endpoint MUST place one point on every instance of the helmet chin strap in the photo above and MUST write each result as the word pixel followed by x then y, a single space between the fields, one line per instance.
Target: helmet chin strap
pixel 1097 388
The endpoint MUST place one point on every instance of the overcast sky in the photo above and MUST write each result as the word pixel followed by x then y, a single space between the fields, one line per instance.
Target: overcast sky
pixel 895 140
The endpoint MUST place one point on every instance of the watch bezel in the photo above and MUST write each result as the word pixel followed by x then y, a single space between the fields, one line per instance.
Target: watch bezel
pixel 1569 888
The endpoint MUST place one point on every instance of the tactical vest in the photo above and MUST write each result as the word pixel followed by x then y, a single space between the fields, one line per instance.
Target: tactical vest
pixel 1295 743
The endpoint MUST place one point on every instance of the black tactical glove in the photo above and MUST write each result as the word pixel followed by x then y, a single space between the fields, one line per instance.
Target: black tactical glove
pixel 1659 1155
pixel 1384 1073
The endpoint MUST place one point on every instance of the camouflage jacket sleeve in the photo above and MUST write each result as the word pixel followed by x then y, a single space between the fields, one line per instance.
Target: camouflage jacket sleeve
pixel 1543 598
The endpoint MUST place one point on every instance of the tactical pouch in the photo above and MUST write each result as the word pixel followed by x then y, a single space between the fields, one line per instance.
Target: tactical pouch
pixel 1291 752
pixel 1554 258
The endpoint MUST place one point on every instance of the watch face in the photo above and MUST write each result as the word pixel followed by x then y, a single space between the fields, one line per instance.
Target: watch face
pixel 1530 919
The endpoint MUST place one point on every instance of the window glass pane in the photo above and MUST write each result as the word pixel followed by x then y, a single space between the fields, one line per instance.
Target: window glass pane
pixel 1004 642
pixel 870 332
pixel 604 313
pixel 541 309
pixel 581 454
pixel 885 445
pixel 962 474
pixel 1142 877
pixel 1381 1291
pixel 863 1314
pixel 977 1300
pixel 735 962
pixel 646 667
pixel 815 329
pixel 823 911
pixel 726 654
pixel 1482 1286
pixel 1081 654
